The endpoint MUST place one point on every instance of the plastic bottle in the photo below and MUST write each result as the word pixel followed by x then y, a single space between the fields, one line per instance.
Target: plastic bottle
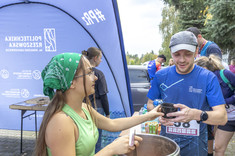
pixel 155 103
pixel 145 106
pixel 141 111
pixel 104 139
pixel 151 128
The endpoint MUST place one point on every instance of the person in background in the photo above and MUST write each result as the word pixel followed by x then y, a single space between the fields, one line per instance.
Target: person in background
pixel 69 125
pixel 205 47
pixel 171 62
pixel 155 65
pixel 225 64
pixel 224 133
pixel 193 90
pixel 232 66
pixel 94 55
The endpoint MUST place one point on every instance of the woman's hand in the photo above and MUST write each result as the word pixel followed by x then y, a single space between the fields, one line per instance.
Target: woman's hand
pixel 120 146
pixel 156 112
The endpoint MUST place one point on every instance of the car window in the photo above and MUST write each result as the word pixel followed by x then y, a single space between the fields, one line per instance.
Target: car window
pixel 138 76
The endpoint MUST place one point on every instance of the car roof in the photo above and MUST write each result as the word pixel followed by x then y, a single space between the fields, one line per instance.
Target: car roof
pixel 136 67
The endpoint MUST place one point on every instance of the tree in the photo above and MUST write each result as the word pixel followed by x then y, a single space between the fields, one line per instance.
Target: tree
pixel 167 28
pixel 221 27
pixel 133 59
pixel 190 12
pixel 148 57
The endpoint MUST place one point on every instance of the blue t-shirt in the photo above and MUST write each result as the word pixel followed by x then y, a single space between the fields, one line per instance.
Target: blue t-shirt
pixel 199 89
pixel 210 48
pixel 153 68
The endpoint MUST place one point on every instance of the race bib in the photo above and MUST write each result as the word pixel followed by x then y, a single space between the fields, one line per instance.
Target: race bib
pixel 191 128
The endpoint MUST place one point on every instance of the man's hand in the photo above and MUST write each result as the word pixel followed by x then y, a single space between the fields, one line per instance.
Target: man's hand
pixel 185 114
pixel 165 122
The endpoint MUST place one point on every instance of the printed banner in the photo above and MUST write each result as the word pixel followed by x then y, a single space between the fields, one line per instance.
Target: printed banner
pixel 32 32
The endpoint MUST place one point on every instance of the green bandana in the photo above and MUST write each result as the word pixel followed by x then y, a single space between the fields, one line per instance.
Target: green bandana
pixel 59 73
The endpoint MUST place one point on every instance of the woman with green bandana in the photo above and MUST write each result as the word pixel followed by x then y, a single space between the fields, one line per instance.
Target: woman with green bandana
pixel 69 125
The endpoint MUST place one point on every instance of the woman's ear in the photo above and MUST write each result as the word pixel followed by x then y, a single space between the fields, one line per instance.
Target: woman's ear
pixel 95 58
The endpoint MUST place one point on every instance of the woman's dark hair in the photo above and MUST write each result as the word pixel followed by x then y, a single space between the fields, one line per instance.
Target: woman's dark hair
pixel 194 30
pixel 91 52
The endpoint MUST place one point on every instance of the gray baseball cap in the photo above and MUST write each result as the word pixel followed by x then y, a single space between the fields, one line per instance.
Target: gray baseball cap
pixel 183 40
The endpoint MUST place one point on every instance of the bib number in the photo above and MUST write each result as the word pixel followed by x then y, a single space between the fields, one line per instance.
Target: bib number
pixel 191 128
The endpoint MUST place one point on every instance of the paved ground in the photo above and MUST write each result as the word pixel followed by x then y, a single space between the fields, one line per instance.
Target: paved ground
pixel 10 143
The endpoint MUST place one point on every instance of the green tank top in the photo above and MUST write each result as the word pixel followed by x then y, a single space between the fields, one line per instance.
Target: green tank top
pixel 88 133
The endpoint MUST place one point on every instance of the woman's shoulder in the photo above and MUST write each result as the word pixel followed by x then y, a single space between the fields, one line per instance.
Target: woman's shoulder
pixel 60 126
pixel 229 73
pixel 98 72
pixel 60 120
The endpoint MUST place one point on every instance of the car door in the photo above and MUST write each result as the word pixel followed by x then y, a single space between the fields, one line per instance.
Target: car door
pixel 139 87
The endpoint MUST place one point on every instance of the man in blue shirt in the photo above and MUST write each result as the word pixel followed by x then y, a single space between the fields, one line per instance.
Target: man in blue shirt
pixel 205 47
pixel 196 93
pixel 155 65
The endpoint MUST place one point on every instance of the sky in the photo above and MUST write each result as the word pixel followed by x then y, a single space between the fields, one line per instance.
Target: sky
pixel 140 20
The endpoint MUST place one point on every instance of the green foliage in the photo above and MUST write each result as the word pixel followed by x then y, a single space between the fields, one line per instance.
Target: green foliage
pixel 148 57
pixel 135 60
pixel 132 59
pixel 179 4
pixel 178 15
pixel 190 12
pixel 167 28
pixel 221 28
pixel 191 15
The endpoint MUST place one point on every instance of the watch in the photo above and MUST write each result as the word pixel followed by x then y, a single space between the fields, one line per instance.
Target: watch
pixel 204 116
